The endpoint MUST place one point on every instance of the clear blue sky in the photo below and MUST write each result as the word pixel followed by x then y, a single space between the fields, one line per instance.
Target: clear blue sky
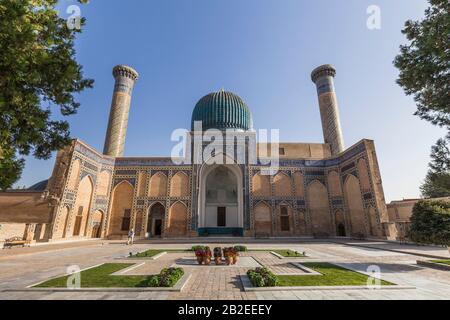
pixel 263 50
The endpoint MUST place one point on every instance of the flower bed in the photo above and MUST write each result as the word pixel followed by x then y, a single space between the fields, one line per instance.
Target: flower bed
pixel 262 277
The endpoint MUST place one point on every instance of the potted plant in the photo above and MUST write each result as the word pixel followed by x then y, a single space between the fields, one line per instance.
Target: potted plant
pixel 231 255
pixel 235 256
pixel 228 254
pixel 207 256
pixel 199 253
pixel 218 255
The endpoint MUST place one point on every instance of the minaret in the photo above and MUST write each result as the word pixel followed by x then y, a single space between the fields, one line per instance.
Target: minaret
pixel 120 108
pixel 323 77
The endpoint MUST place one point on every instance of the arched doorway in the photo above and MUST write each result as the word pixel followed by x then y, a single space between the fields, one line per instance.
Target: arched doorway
pixel 155 223
pixel 340 224
pixel 341 230
pixel 221 200
pixel 97 220
pixel 83 206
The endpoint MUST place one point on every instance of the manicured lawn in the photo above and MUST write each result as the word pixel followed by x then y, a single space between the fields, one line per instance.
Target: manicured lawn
pixel 289 253
pixel 442 261
pixel 282 252
pixel 153 252
pixel 100 277
pixel 332 275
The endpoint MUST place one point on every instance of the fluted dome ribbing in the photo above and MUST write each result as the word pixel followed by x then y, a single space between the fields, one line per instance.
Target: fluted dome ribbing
pixel 222 110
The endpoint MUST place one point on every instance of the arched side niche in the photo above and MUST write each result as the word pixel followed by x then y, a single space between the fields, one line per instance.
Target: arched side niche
pixel 355 205
pixel 282 185
pixel 158 185
pixel 177 224
pixel 179 185
pixel 262 217
pixel 261 185
pixel 319 208
pixel 122 203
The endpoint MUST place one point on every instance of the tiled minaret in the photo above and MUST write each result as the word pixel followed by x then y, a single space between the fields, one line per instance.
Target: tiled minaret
pixel 120 108
pixel 323 77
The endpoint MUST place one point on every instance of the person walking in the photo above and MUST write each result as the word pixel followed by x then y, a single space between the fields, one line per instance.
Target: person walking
pixel 131 235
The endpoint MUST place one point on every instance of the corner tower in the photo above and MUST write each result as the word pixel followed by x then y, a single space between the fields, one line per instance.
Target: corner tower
pixel 125 77
pixel 323 77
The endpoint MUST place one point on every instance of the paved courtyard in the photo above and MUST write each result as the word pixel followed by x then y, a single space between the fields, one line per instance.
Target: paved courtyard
pixel 20 268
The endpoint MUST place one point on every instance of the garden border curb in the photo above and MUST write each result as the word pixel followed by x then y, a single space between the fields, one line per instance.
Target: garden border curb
pixel 282 257
pixel 248 287
pixel 418 254
pixel 181 284
pixel 433 265
pixel 155 257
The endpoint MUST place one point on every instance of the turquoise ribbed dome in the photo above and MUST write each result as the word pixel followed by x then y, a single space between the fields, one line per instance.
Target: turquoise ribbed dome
pixel 222 110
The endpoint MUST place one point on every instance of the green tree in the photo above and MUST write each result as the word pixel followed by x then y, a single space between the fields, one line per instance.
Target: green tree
pixel 440 155
pixel 430 223
pixel 424 66
pixel 424 63
pixel 38 73
pixel 436 185
pixel 437 182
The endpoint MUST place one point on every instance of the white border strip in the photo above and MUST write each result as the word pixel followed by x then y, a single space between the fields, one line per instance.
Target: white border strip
pixel 123 271
pixel 64 275
pixel 248 287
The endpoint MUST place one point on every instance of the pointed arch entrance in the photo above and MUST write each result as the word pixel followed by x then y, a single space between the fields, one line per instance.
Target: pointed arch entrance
pixel 155 222
pixel 221 200
pixel 97 224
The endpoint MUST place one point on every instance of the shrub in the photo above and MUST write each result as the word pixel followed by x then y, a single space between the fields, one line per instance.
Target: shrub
pixel 256 279
pixel 153 281
pixel 217 252
pixel 240 248
pixel 271 280
pixel 430 223
pixel 262 277
pixel 195 248
pixel 167 278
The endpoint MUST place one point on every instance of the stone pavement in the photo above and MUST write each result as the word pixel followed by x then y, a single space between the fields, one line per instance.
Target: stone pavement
pixel 22 268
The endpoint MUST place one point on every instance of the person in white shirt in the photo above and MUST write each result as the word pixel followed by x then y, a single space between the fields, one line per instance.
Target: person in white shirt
pixel 130 240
